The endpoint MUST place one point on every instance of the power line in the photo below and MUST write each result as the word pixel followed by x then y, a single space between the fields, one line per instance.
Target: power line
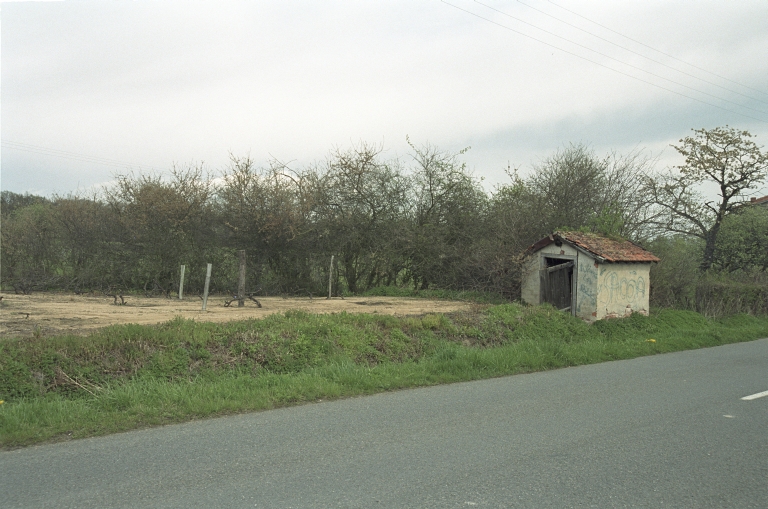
pixel 602 65
pixel 84 158
pixel 641 55
pixel 621 61
pixel 656 50
pixel 63 153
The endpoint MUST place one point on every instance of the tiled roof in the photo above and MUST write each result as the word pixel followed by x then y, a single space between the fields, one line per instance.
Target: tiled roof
pixel 759 201
pixel 601 247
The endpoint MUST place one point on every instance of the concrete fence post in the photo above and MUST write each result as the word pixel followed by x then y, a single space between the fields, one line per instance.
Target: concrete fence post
pixel 181 283
pixel 207 284
pixel 241 281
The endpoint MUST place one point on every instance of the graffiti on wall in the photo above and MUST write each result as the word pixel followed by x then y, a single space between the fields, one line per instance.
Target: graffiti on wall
pixel 622 289
pixel 586 300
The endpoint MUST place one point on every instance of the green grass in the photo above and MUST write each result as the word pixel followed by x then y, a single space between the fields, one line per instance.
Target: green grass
pixel 130 376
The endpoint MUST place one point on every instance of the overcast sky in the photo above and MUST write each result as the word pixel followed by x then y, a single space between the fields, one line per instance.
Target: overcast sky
pixel 126 85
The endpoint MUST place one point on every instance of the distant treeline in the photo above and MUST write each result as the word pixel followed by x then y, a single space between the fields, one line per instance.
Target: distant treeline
pixel 423 221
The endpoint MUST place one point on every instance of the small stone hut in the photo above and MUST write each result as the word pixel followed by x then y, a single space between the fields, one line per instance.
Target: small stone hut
pixel 590 276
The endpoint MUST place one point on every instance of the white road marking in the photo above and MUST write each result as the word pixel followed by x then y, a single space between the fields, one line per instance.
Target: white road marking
pixel 755 396
pixel 729 416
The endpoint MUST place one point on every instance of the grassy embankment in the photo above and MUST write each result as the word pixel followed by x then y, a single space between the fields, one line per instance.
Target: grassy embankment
pixel 130 376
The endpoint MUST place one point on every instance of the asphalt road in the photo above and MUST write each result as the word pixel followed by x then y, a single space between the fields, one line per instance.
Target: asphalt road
pixel 663 431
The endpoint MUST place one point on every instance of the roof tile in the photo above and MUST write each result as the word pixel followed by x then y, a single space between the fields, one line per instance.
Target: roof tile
pixel 609 249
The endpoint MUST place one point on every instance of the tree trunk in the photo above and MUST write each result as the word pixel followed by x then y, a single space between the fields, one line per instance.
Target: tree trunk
pixel 709 247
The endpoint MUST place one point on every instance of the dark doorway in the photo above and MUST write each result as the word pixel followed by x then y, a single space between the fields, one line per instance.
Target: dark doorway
pixel 557 283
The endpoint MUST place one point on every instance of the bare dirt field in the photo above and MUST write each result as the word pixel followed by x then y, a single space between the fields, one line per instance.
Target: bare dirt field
pixel 59 313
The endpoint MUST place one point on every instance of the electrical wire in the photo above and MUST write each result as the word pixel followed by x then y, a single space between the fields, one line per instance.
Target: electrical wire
pixel 657 50
pixel 73 155
pixel 694 89
pixel 602 65
pixel 640 54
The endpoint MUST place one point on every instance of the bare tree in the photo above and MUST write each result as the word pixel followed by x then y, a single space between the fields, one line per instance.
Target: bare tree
pixel 358 203
pixel 164 223
pixel 446 219
pixel 574 188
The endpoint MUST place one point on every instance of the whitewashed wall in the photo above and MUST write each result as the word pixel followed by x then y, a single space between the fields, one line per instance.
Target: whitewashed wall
pixel 623 289
pixel 603 290
pixel 531 281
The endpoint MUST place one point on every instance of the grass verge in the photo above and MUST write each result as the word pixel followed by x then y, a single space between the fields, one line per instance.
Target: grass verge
pixel 130 376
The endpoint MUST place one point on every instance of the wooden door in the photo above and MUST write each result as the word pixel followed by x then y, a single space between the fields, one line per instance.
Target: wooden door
pixel 557 285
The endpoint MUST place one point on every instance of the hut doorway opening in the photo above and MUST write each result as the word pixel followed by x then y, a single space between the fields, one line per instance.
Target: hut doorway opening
pixel 557 283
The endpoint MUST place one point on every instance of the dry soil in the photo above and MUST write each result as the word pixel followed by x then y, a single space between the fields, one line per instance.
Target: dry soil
pixel 59 313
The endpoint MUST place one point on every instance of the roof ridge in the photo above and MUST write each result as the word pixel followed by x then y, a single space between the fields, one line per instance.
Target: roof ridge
pixel 600 246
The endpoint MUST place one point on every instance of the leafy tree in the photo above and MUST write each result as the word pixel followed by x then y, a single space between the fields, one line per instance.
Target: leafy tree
pixel 32 253
pixel 742 244
pixel 675 278
pixel 724 156
pixel 14 234
pixel 10 201
pixel 88 230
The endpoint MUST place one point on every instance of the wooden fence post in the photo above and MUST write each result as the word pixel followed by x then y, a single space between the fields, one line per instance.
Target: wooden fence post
pixel 181 283
pixel 330 278
pixel 207 284
pixel 241 281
